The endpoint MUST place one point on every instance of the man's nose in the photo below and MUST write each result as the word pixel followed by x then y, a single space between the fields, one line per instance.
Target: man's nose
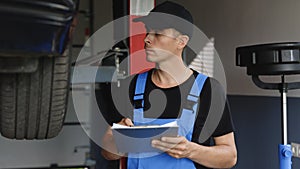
pixel 147 39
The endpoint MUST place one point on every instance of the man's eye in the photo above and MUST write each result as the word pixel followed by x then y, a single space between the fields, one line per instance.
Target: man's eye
pixel 158 33
pixel 153 32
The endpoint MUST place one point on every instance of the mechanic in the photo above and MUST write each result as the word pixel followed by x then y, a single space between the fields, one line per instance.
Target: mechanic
pixel 166 93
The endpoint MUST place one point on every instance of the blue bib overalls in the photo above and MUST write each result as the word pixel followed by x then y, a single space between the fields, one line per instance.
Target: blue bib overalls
pixel 159 160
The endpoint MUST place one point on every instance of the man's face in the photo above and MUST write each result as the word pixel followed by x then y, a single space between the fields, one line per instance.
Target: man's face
pixel 160 45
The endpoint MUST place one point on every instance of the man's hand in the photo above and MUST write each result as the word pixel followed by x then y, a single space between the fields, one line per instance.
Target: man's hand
pixel 177 147
pixel 126 122
pixel 110 151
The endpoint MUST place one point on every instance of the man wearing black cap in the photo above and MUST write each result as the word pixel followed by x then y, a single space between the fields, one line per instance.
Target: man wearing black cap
pixel 173 92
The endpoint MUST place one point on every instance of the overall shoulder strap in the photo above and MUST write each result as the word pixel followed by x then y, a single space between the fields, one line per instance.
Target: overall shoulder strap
pixel 190 108
pixel 140 89
pixel 198 85
pixel 195 91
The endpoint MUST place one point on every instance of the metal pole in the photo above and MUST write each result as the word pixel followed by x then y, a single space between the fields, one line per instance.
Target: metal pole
pixel 285 152
pixel 284 111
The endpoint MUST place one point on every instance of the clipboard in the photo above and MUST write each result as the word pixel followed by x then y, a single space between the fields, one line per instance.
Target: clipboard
pixel 138 139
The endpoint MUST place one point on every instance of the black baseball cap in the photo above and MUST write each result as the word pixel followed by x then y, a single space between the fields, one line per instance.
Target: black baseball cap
pixel 169 15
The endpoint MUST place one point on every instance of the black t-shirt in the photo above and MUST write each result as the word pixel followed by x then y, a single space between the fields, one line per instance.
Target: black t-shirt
pixel 168 102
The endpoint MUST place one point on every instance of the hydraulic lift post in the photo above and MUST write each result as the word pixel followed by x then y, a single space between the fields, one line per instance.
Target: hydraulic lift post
pixel 274 59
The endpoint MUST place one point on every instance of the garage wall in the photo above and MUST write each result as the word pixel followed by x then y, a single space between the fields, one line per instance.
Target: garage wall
pixel 236 23
pixel 257 121
pixel 60 151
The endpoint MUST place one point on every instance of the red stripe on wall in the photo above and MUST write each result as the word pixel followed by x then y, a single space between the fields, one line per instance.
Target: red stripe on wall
pixel 138 62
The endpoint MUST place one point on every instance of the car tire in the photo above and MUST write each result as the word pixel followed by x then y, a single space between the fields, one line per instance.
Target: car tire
pixel 33 105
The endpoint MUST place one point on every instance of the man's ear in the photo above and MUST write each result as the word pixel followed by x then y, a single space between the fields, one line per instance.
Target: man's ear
pixel 182 41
